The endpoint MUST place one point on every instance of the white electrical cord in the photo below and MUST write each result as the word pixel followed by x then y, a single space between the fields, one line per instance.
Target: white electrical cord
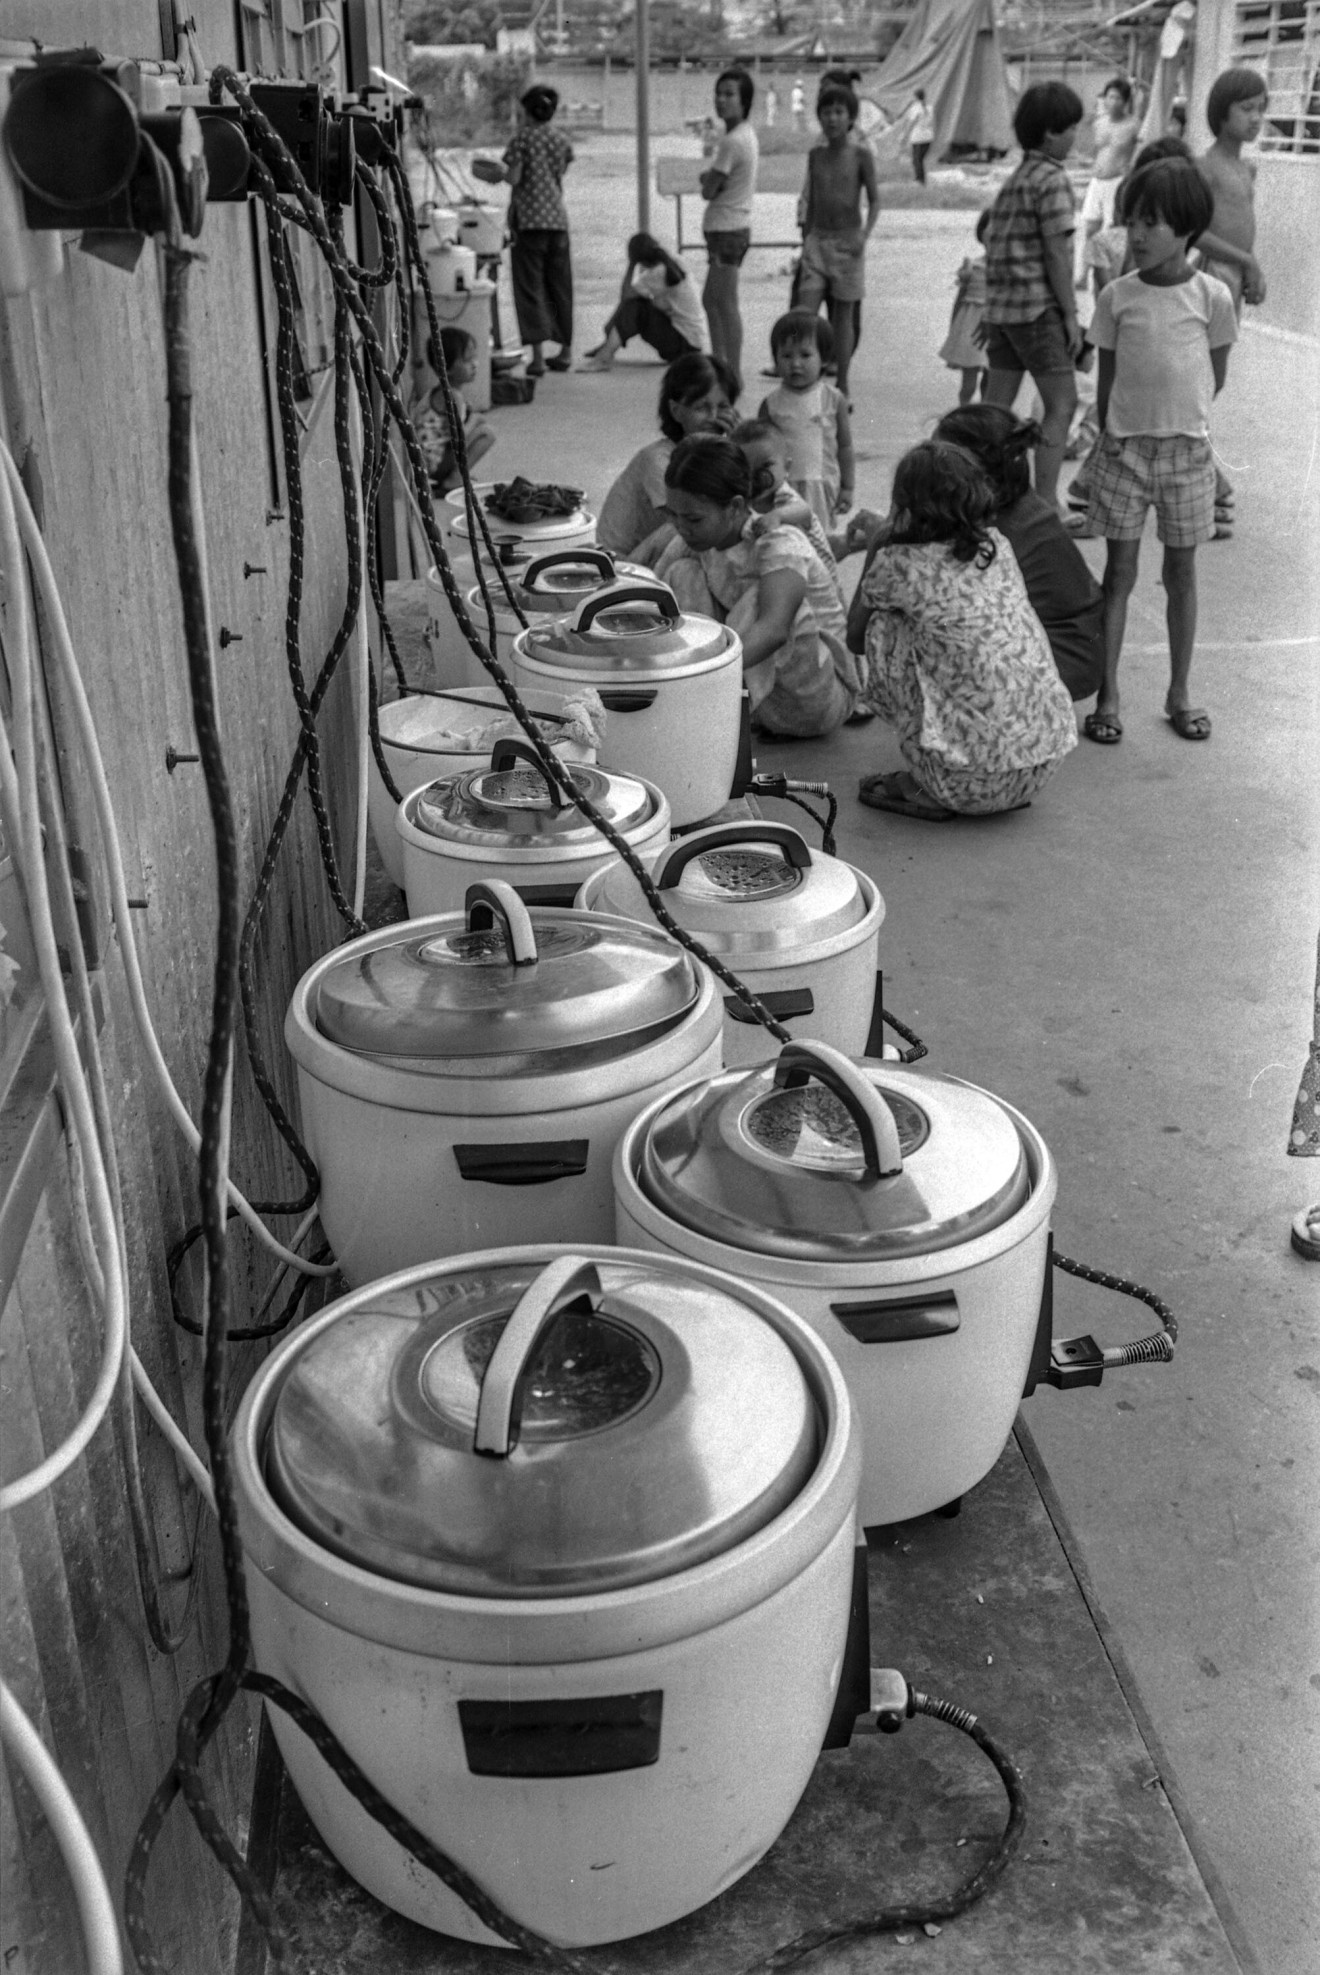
pixel 22 808
pixel 62 647
pixel 188 1457
pixel 362 650
pixel 95 1907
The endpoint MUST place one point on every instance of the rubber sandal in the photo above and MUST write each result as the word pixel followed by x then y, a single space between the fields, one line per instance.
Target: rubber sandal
pixel 1223 533
pixel 1305 1234
pixel 1104 728
pixel 536 370
pixel 559 363
pixel 860 716
pixel 1191 723
pixel 884 792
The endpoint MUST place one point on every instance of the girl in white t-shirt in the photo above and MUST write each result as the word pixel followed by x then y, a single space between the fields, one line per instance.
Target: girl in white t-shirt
pixel 656 302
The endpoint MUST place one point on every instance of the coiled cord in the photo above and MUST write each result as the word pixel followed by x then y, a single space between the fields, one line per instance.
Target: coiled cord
pixel 1156 1349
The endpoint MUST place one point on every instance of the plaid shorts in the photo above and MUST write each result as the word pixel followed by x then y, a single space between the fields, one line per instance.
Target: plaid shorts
pixel 1174 475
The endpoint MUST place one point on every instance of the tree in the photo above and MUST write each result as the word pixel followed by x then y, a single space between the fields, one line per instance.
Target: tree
pixel 437 23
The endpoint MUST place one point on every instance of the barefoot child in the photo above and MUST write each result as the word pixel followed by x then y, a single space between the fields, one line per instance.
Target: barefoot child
pixel 1234 110
pixel 1163 333
pixel 960 349
pixel 812 414
pixel 833 266
pixel 432 422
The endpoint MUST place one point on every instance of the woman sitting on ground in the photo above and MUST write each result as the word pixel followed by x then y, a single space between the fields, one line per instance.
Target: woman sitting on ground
pixel 956 660
pixel 656 302
pixel 1062 591
pixel 762 577
pixel 696 395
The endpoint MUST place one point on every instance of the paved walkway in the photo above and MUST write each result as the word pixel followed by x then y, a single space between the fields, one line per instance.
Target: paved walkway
pixel 1130 961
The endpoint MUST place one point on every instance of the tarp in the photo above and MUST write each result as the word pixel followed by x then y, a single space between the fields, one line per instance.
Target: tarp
pixel 951 49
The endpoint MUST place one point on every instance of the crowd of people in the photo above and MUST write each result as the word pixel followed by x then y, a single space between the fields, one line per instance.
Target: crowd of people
pixel 975 624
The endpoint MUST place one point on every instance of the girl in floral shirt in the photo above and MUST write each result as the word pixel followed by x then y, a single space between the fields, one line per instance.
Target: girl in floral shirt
pixel 956 660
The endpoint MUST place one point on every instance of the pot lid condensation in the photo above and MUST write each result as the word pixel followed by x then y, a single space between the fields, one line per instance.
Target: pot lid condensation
pixel 527 1430
pixel 498 982
pixel 512 801
pixel 782 1159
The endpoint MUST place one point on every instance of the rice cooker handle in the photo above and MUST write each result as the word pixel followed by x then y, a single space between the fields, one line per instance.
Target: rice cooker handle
pixel 789 840
pixel 560 1282
pixel 509 752
pixel 799 1061
pixel 598 559
pixel 621 592
pixel 492 899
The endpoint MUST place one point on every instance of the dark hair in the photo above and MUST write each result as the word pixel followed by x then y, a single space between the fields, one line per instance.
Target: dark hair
pixel 801 326
pixel 943 495
pixel 750 433
pixel 1160 147
pixel 1046 108
pixel 746 87
pixel 999 442
pixel 837 92
pixel 982 222
pixel 689 378
pixel 646 250
pixel 712 468
pixel 1233 86
pixel 455 344
pixel 1171 190
pixel 540 102
pixel 1123 86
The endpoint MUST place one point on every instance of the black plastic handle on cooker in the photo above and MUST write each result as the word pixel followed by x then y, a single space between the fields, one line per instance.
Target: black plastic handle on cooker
pixel 798 1062
pixel 629 699
pixel 598 559
pixel 510 751
pixel 615 594
pixel 526 1162
pixel 490 899
pixel 722 835
pixel 560 1282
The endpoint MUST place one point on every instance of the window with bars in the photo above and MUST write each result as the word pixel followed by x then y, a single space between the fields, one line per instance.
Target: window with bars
pixel 1281 39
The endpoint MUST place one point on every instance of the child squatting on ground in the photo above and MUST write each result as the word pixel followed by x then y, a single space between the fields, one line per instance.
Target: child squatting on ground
pixel 764 579
pixel 1163 333
pixel 833 267
pixel 459 351
pixel 956 660
pixel 812 414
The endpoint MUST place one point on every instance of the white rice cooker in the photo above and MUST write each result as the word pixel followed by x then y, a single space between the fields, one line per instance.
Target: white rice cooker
pixel 464 1079
pixel 507 820
pixel 481 227
pixel 451 269
pixel 430 734
pixel 670 680
pixel 560 1545
pixel 538 534
pixel 904 1214
pixel 515 544
pixel 544 589
pixel 801 929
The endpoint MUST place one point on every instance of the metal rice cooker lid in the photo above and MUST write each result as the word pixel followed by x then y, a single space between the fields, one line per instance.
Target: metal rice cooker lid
pixel 745 887
pixel 820 1156
pixel 496 982
pixel 635 626
pixel 554 585
pixel 534 1430
pixel 513 802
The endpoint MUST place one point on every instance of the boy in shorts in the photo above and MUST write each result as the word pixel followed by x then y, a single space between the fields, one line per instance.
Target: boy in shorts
pixel 728 185
pixel 833 266
pixel 1163 333
pixel 1030 320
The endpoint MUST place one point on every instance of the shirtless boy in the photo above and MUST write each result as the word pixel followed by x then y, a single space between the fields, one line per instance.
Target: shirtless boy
pixel 834 248
pixel 1234 110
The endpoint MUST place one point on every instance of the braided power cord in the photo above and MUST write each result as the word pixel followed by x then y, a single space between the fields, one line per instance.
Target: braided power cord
pixel 1156 1349
pixel 892 1918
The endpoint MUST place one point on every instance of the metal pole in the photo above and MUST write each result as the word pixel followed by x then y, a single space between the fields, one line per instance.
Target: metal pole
pixel 642 58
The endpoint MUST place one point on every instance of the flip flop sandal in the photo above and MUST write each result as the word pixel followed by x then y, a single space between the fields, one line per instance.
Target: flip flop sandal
pixel 1191 723
pixel 1305 1234
pixel 884 792
pixel 559 363
pixel 536 370
pixel 1104 728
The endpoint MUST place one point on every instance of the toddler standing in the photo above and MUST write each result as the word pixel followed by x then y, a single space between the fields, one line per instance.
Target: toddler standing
pixel 812 414
pixel 961 349
pixel 1163 333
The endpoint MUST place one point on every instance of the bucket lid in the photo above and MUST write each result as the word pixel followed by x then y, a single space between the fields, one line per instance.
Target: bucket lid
pixel 631 625
pixel 821 1156
pixel 745 887
pixel 488 988
pixel 533 1430
pixel 513 802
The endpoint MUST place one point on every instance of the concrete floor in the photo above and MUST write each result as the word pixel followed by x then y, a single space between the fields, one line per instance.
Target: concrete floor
pixel 1130 961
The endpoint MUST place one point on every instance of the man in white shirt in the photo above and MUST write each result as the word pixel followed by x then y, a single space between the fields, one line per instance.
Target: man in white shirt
pixel 727 185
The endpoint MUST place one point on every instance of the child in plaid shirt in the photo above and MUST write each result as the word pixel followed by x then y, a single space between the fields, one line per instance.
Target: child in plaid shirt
pixel 1163 333
pixel 1030 320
